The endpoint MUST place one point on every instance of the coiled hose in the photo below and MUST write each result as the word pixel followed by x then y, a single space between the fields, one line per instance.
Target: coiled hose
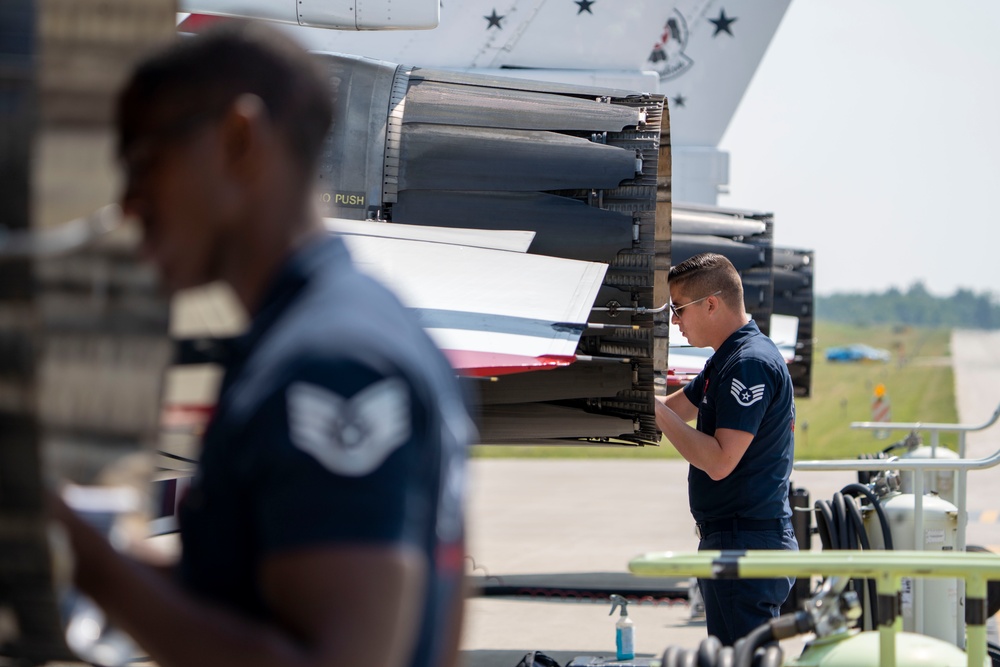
pixel 760 648
pixel 841 526
pixel 711 653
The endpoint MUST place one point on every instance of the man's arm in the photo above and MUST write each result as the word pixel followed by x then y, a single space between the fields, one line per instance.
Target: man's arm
pixel 336 606
pixel 716 455
pixel 680 404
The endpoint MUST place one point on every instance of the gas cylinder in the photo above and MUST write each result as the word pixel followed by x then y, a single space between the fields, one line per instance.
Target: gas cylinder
pixel 940 596
pixel 862 650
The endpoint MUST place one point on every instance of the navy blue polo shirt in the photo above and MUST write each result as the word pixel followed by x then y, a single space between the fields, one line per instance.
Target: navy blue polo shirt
pixel 745 386
pixel 338 422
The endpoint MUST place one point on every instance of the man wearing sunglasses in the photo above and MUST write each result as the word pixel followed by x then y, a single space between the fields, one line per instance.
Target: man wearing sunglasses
pixel 742 446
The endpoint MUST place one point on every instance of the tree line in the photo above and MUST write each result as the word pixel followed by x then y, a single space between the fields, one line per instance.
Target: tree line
pixel 916 306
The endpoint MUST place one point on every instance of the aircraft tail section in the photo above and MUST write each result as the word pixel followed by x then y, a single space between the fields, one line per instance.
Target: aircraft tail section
pixel 706 56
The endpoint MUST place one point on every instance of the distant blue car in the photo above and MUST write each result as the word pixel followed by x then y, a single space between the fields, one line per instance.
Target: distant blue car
pixel 857 352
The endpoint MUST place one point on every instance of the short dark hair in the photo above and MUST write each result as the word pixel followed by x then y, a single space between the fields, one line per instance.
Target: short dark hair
pixel 200 76
pixel 706 274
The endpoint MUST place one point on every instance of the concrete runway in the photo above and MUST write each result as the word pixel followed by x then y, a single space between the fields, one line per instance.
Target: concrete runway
pixel 976 359
pixel 592 516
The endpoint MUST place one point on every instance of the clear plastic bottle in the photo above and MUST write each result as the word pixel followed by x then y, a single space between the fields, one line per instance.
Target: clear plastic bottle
pixel 624 629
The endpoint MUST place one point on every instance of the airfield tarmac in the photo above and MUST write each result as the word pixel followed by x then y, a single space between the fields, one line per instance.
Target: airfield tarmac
pixel 592 516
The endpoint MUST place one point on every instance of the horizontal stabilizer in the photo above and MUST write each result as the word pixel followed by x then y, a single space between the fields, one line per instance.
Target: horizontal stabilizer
pixel 499 239
pixel 483 307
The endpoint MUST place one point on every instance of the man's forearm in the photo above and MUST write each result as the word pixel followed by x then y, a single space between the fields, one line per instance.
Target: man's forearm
pixel 700 450
pixel 177 629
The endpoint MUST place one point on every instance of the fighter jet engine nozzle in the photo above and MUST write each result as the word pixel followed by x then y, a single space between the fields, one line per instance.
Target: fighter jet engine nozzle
pixel 576 166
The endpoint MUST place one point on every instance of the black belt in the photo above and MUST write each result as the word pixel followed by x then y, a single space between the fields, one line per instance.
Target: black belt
pixel 737 524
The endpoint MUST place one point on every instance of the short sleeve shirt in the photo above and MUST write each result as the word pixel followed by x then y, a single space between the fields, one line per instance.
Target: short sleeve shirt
pixel 338 422
pixel 745 386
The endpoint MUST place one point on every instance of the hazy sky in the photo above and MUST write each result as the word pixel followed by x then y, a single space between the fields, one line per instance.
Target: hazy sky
pixel 872 131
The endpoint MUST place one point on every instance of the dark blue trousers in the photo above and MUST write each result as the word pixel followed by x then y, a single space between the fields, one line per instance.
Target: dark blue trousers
pixel 734 607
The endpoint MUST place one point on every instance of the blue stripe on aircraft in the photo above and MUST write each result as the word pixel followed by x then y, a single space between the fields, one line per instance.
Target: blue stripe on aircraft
pixel 432 318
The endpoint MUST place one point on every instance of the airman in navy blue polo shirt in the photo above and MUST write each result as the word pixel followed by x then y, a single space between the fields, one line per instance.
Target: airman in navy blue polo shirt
pixel 324 524
pixel 742 446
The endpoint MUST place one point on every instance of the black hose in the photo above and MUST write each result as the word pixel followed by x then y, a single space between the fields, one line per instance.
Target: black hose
pixel 840 522
pixel 711 653
pixel 859 529
pixel 746 647
pixel 771 656
pixel 824 522
pixel 858 522
pixel 855 489
pixel 841 526
pixel 708 651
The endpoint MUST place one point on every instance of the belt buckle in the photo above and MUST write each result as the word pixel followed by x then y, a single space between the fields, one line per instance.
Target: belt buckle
pixel 698 532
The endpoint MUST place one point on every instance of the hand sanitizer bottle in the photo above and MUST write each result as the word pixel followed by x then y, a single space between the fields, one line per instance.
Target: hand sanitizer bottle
pixel 624 629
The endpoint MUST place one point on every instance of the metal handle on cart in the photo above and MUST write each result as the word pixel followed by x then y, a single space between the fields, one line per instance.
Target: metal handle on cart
pixel 962 466
pixel 887 568
pixel 934 429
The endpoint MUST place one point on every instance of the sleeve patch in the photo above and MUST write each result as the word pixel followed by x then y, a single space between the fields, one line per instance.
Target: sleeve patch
pixel 744 395
pixel 349 436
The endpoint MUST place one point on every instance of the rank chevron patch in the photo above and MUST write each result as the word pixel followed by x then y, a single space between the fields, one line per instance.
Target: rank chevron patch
pixel 746 396
pixel 349 436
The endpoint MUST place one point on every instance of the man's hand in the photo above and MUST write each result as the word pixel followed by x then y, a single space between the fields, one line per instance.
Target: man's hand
pixel 718 455
pixel 331 606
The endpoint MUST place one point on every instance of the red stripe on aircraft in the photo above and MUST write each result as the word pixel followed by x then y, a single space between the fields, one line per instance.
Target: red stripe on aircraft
pixel 473 363
pixel 180 415
pixel 199 22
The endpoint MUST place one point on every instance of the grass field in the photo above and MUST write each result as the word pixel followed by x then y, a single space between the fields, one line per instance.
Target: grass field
pixel 918 381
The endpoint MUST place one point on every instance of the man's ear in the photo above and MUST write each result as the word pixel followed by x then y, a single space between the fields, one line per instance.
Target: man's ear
pixel 244 131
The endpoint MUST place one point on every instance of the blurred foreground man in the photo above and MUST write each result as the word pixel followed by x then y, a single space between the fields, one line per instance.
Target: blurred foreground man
pixel 741 451
pixel 324 524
